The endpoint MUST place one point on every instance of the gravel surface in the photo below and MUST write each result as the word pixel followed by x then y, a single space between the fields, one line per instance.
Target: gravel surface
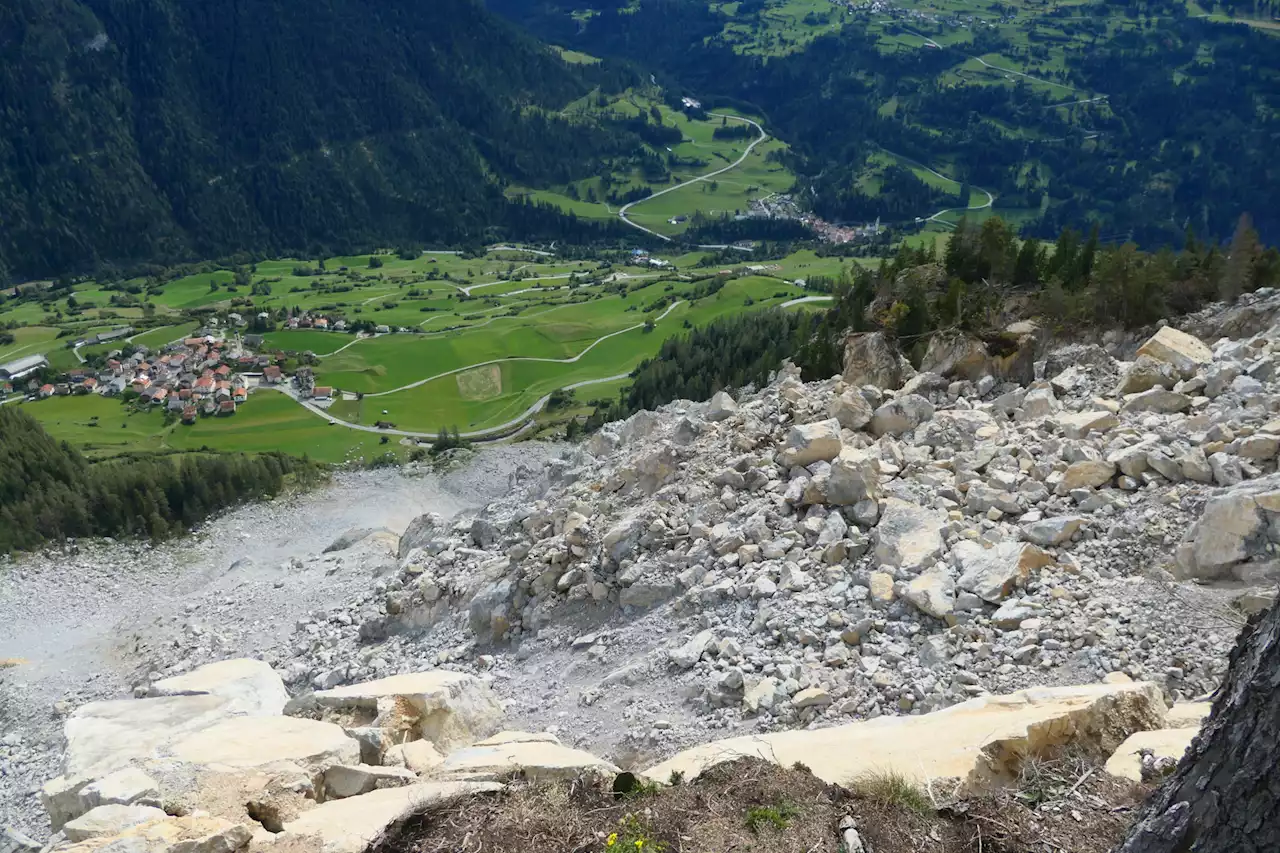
pixel 86 621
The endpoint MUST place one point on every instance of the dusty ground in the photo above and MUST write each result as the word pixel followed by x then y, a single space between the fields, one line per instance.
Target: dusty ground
pixel 85 621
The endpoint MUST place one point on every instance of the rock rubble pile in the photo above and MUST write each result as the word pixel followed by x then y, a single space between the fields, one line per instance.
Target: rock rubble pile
pixel 811 553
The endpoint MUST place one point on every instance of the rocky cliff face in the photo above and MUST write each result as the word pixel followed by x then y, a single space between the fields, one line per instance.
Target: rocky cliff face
pixel 809 555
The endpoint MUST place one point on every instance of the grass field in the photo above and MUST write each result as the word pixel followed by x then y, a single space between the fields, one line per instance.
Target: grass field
pixel 475 400
pixel 102 427
pixel 30 340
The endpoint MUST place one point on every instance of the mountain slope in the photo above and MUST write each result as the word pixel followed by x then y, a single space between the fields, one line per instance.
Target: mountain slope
pixel 152 129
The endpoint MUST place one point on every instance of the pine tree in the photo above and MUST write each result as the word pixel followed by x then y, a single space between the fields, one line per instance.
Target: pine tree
pixel 1241 257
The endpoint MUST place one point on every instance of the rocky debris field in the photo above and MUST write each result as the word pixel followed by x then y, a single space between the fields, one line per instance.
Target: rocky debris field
pixel 92 620
pixel 881 544
pixel 220 759
pixel 815 553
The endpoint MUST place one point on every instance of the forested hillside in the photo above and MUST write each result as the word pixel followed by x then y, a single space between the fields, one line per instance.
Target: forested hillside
pixel 169 129
pixel 1139 116
pixel 48 491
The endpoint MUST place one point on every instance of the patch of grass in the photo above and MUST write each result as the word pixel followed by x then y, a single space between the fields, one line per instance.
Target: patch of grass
pixel 779 817
pixel 891 789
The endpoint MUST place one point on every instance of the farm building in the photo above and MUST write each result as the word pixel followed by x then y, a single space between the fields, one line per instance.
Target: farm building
pixel 22 367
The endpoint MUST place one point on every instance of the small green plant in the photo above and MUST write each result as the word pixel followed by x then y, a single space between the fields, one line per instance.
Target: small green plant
pixel 642 788
pixel 779 817
pixel 676 778
pixel 890 788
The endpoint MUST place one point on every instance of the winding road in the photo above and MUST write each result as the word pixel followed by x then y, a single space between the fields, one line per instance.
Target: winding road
pixel 622 212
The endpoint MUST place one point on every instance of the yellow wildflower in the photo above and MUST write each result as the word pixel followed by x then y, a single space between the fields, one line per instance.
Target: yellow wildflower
pixel 613 839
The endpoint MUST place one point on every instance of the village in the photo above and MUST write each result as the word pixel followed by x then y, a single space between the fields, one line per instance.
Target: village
pixel 202 375
pixel 784 206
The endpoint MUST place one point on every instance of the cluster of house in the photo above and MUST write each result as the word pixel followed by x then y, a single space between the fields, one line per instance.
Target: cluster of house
pixel 323 324
pixel 188 378
pixel 640 257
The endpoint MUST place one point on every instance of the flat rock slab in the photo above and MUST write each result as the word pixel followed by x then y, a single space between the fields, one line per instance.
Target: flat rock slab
pixel 174 835
pixel 106 736
pixel 1126 761
pixel 980 741
pixel 348 826
pixel 110 820
pixel 252 686
pixel 538 760
pixel 247 742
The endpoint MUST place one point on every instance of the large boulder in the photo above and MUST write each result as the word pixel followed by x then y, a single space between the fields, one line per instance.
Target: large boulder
pixel 933 593
pixel 901 415
pixel 871 359
pixel 1184 353
pixel 908 536
pixel 994 573
pixel 419 532
pixel 1161 744
pixel 1157 400
pixel 1086 474
pixel 1038 403
pixel 109 820
pixel 721 407
pixel 854 477
pixel 1009 356
pixel 1146 373
pixel 352 780
pixel 106 736
pixel 809 443
pixel 449 709
pixel 624 536
pixel 851 409
pixel 1236 526
pixel 1077 425
pixel 1051 532
pixel 490 611
pixel 980 742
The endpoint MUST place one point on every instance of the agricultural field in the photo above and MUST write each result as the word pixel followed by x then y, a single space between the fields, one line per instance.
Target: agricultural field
pixel 102 428
pixel 473 343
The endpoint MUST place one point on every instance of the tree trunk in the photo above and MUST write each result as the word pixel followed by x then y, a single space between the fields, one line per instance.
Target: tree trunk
pixel 1225 795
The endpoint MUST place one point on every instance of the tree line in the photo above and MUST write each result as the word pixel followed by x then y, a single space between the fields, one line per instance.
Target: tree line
pixel 1077 282
pixel 50 492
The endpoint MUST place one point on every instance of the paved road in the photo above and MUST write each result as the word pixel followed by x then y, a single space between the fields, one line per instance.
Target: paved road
pixel 500 429
pixel 803 299
pixel 991 199
pixel 622 212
